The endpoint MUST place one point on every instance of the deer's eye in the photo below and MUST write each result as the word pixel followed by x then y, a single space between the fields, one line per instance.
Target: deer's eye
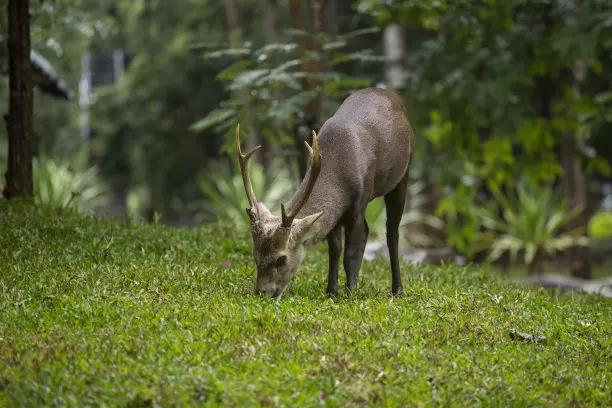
pixel 281 261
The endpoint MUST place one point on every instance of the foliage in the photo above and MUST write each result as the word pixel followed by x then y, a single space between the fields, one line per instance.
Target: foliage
pixel 59 186
pixel 101 312
pixel 534 218
pixel 600 225
pixel 494 86
pixel 141 119
pixel 60 31
pixel 265 83
pixel 226 200
pixel 600 232
pixel 491 89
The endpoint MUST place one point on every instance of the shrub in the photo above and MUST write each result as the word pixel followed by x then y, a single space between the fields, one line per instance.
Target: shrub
pixel 600 226
pixel 532 225
pixel 58 186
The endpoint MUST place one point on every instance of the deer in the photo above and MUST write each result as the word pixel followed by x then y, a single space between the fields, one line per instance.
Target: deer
pixel 362 152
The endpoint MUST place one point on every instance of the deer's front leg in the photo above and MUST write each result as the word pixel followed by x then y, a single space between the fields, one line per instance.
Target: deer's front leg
pixel 334 243
pixel 356 235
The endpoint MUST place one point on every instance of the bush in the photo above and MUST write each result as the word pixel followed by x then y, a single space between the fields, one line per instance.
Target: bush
pixel 600 226
pixel 58 186
pixel 534 218
pixel 600 232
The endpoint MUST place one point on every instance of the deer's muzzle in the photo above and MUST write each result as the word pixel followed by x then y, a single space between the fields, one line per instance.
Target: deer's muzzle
pixel 271 289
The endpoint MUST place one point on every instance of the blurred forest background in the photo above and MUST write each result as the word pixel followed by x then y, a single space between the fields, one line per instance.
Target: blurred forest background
pixel 510 101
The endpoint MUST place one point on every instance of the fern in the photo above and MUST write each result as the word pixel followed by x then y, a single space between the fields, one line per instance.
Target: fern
pixel 267 93
pixel 214 117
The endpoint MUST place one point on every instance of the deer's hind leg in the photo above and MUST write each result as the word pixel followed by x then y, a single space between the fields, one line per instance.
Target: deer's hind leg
pixel 394 203
pixel 334 244
pixel 355 237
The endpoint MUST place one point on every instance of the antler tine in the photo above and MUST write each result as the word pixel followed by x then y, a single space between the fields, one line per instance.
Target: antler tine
pixel 243 159
pixel 315 169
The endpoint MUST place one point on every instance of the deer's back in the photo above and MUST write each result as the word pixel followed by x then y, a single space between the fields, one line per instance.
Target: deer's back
pixel 367 145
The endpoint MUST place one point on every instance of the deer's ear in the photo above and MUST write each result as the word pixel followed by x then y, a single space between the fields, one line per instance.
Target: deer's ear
pixel 258 212
pixel 304 227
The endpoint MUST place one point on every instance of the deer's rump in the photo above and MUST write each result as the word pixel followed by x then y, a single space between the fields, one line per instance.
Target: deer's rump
pixel 368 143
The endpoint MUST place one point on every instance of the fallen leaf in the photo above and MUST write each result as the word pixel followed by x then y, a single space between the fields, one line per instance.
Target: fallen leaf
pixel 514 335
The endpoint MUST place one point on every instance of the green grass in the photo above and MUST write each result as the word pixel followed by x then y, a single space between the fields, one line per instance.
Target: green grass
pixel 102 313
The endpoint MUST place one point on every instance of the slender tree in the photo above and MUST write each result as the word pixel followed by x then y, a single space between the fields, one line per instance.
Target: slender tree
pixel 236 37
pixel 19 119
pixel 310 67
pixel 393 45
pixel 232 14
pixel 575 184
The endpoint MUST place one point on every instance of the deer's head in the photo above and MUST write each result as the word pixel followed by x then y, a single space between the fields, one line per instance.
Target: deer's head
pixel 279 242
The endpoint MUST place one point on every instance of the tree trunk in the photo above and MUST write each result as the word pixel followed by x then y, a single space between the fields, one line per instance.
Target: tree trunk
pixel 270 33
pixel 236 36
pixel 575 191
pixel 233 20
pixel 393 45
pixel 309 83
pixel 329 17
pixel 315 107
pixel 270 20
pixel 19 121
pixel 575 182
pixel 297 22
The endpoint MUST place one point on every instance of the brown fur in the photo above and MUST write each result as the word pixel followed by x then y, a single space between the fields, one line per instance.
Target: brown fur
pixel 366 150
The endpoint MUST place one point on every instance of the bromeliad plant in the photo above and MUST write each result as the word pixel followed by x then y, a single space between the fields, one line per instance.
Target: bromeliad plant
pixel 532 226
pixel 57 185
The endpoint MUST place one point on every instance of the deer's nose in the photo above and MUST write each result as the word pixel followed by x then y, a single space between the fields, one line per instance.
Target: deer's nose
pixel 258 291
pixel 263 289
pixel 267 289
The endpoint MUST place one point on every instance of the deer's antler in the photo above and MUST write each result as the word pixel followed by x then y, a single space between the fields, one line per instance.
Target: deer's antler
pixel 244 168
pixel 315 169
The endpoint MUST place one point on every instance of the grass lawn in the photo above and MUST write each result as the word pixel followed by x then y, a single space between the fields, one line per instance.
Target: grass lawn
pixel 103 313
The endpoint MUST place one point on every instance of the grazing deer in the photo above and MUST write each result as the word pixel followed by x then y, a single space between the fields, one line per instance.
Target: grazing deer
pixel 362 152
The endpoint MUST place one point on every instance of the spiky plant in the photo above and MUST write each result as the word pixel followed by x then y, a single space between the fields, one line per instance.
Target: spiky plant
pixel 58 185
pixel 533 224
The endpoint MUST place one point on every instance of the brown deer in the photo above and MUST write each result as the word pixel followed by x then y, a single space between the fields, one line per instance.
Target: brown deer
pixel 363 151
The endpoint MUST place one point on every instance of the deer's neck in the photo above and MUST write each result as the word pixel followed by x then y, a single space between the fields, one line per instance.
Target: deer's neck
pixel 326 197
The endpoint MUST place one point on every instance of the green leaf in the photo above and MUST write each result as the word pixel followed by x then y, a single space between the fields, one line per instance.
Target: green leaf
pixel 212 118
pixel 247 79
